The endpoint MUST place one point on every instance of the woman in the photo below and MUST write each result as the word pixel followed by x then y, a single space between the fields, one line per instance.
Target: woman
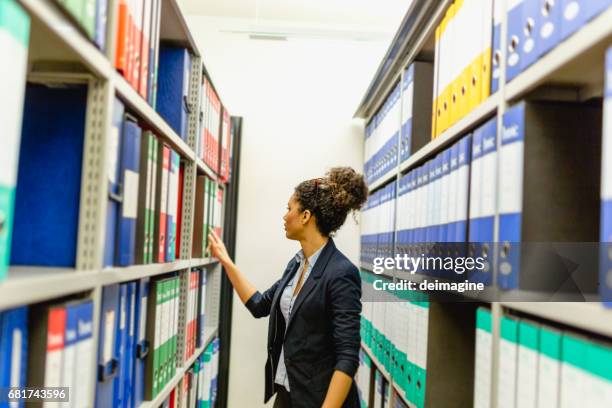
pixel 315 307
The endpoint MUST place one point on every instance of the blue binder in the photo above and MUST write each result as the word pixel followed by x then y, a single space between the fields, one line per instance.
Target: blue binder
pixel 464 159
pixel 497 53
pixel 128 212
pixel 129 352
pixel 120 347
pixel 13 347
pixel 605 263
pixel 406 143
pixel 108 356
pixel 514 36
pixel 173 87
pixel 510 222
pixel 549 25
pixel 101 19
pixel 49 183
pixel 141 346
pixel 576 13
pixel 530 34
pixel 114 198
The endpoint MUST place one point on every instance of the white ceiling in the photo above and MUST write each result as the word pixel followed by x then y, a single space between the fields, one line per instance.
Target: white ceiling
pixel 384 15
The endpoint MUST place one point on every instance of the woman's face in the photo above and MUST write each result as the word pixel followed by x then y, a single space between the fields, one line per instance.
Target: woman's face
pixel 294 219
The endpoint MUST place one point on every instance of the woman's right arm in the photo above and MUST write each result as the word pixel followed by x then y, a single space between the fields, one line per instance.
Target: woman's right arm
pixel 257 303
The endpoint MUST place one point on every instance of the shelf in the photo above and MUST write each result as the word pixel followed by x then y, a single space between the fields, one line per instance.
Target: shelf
pixel 209 334
pixel 383 371
pixel 174 26
pixel 118 275
pixel 203 167
pixel 31 284
pixel 593 317
pixel 147 114
pixel 450 135
pixel 199 262
pixel 55 41
pixel 579 60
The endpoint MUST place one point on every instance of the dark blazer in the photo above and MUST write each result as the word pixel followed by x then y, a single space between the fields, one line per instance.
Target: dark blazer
pixel 323 331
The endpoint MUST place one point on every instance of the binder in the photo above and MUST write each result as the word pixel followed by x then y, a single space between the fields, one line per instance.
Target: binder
pixel 422 321
pixel 136 40
pixel 530 21
pixel 121 347
pixel 199 230
pixel 573 371
pixel 576 13
pixel 475 204
pixel 179 209
pixel 108 356
pixel 69 358
pixel 129 345
pixel 605 224
pixel 514 37
pixel 549 25
pixel 14 348
pixel 145 49
pixel 527 363
pixel 173 92
pixel 122 37
pixel 154 56
pixel 152 361
pixel 482 365
pixel 161 203
pixel 144 211
pixel 497 54
pixel 141 345
pixel 155 185
pixel 452 204
pixel 14 37
pixel 85 354
pixel 486 50
pixel 101 15
pixel 532 191
pixel 549 368
pixel 113 176
pixel 506 375
pixel 46 346
pixel 47 208
pixel 173 179
pixel 129 176
pixel 488 193
pixel 226 146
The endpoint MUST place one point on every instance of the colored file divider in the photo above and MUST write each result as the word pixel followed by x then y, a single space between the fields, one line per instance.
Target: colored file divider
pixel 47 197
pixel 462 76
pixel 535 27
pixel 144 200
pixel 14 37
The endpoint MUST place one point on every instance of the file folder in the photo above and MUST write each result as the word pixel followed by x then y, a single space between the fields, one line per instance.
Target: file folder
pixel 113 175
pixel 482 365
pixel 47 208
pixel 549 367
pixel 527 363
pixel 533 192
pixel 173 92
pixel 129 176
pixel 507 370
pixel 108 356
pixel 14 37
pixel 141 345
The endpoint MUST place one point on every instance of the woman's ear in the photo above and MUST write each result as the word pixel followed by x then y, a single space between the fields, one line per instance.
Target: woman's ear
pixel 306 214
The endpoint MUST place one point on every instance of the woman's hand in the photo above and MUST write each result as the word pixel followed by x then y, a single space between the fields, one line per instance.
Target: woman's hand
pixel 217 249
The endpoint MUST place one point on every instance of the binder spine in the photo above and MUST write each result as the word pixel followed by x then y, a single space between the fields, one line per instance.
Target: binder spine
pixel 605 259
pixel 510 196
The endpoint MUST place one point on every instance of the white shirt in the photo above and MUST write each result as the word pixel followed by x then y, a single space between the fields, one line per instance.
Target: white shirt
pixel 286 304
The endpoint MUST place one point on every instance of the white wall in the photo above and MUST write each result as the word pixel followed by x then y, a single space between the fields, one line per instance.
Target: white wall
pixel 297 99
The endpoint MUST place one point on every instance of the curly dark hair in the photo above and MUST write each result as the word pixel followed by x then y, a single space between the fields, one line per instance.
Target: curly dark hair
pixel 332 197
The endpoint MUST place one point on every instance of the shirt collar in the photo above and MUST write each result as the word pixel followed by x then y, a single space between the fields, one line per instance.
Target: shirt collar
pixel 312 259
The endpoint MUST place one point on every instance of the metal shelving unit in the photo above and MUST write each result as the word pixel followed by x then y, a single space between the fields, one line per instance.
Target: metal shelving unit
pixel 572 71
pixel 59 53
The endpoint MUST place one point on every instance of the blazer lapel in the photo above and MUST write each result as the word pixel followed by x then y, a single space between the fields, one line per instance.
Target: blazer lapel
pixel 311 282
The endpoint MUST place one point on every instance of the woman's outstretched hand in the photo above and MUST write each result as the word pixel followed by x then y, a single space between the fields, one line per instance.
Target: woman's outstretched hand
pixel 217 249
